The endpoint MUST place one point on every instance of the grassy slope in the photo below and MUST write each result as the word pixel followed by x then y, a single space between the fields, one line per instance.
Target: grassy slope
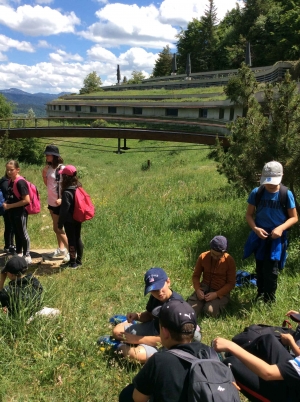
pixel 161 217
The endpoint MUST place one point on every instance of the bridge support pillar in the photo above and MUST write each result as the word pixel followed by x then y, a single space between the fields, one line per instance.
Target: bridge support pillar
pixel 124 146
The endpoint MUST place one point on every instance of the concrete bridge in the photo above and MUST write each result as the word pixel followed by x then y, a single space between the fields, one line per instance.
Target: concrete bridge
pixel 206 133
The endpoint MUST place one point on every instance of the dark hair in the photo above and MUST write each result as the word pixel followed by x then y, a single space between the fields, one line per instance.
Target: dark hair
pixel 57 160
pixel 68 181
pixel 14 163
pixel 185 336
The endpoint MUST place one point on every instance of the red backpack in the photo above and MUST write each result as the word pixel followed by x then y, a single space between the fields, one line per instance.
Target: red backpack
pixel 84 209
pixel 34 207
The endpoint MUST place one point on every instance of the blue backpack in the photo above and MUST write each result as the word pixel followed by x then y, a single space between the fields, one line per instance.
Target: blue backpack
pixel 2 200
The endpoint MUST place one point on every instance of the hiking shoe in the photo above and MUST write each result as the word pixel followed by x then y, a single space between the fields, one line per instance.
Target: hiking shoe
pixel 28 259
pixel 108 340
pixel 12 249
pixel 58 253
pixel 66 258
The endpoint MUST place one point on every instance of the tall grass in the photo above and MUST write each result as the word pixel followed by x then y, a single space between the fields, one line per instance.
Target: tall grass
pixel 163 216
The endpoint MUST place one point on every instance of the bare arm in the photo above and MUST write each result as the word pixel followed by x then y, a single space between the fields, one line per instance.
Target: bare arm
pixel 264 370
pixel 138 339
pixel 288 340
pixel 2 280
pixel 139 397
pixel 292 219
pixel 44 174
pixel 249 218
pixel 25 201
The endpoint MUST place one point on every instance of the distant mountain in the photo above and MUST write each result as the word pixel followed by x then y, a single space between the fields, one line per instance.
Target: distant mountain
pixel 24 100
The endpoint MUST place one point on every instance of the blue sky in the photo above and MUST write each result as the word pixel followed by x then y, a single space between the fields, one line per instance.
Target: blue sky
pixel 51 45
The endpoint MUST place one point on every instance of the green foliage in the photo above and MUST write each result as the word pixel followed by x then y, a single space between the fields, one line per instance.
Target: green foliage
pixel 30 114
pixel 137 77
pixel 99 123
pixel 241 87
pixel 91 83
pixel 265 134
pixel 32 151
pixel 163 64
pixel 27 150
pixel 6 107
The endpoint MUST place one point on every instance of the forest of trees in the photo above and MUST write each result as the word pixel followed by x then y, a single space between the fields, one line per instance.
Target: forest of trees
pixel 271 26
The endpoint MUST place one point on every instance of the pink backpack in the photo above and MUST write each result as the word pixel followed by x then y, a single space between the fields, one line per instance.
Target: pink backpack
pixel 34 207
pixel 84 209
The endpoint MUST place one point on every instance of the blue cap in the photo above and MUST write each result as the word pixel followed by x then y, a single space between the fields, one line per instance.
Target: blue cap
pixel 155 279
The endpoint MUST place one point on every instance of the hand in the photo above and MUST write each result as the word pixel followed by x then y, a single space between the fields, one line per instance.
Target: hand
pixel 221 344
pixel 276 233
pixel 131 317
pixel 58 202
pixel 286 339
pixel 127 337
pixel 200 294
pixel 5 206
pixel 210 296
pixel 261 232
pixel 291 312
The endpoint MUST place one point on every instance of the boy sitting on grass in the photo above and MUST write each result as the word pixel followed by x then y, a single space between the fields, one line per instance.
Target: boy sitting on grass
pixel 142 339
pixel 23 291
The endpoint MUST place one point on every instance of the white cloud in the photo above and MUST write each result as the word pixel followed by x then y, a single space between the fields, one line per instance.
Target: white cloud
pixel 3 57
pixel 43 1
pixel 122 24
pixel 37 20
pixel 44 44
pixel 6 43
pixel 61 56
pixel 138 59
pixel 99 53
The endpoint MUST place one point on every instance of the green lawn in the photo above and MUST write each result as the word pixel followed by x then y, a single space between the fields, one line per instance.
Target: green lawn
pixel 164 216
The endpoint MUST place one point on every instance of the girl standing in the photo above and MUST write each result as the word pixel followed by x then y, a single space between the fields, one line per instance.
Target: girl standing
pixel 52 180
pixel 73 228
pixel 9 246
pixel 16 209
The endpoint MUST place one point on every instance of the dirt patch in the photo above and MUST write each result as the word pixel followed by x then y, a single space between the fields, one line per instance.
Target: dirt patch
pixel 42 263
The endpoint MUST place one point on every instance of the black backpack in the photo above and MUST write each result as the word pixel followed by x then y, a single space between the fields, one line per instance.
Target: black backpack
pixel 283 197
pixel 209 379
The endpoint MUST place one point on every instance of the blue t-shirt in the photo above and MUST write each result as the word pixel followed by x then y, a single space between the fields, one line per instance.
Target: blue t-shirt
pixel 269 213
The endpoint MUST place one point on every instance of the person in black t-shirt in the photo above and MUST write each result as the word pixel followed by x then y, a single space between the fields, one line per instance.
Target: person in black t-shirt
pixel 142 340
pixel 264 367
pixel 16 209
pixel 164 377
pixel 23 292
pixel 9 243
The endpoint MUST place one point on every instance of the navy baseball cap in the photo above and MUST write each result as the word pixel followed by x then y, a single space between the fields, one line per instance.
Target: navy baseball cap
pixel 174 314
pixel 155 279
pixel 219 243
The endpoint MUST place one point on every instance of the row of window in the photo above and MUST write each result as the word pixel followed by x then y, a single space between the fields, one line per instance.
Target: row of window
pixel 172 112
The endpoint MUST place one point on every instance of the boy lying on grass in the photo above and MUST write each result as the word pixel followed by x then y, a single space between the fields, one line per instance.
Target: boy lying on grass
pixel 23 291
pixel 264 367
pixel 141 340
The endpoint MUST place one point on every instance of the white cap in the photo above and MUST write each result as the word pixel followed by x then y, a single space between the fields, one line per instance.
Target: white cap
pixel 272 173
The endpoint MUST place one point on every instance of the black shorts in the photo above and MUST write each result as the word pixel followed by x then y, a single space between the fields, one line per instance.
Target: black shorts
pixel 55 210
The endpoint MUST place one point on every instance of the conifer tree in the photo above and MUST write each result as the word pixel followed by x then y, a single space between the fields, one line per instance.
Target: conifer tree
pixel 163 64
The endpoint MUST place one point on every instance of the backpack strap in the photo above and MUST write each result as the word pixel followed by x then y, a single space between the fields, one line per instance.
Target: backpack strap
pixel 15 188
pixel 57 178
pixel 283 197
pixel 184 355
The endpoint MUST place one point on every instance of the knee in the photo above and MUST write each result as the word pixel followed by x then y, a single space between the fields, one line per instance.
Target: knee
pixel 137 353
pixel 117 330
pixel 210 310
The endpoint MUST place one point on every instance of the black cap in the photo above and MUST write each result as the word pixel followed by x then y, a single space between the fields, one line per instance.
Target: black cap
pixel 51 150
pixel 15 265
pixel 219 243
pixel 174 314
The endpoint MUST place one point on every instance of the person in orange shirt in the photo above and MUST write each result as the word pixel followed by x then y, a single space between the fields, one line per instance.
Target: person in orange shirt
pixel 213 278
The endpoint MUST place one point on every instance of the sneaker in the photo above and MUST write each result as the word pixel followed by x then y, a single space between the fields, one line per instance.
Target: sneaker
pixel 73 265
pixel 66 258
pixel 58 253
pixel 28 259
pixel 108 340
pixel 12 249
pixel 6 250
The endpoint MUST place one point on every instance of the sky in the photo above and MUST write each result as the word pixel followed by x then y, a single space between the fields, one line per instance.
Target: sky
pixel 52 45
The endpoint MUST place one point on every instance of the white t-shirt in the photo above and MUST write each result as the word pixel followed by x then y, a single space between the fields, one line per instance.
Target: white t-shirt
pixel 52 186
